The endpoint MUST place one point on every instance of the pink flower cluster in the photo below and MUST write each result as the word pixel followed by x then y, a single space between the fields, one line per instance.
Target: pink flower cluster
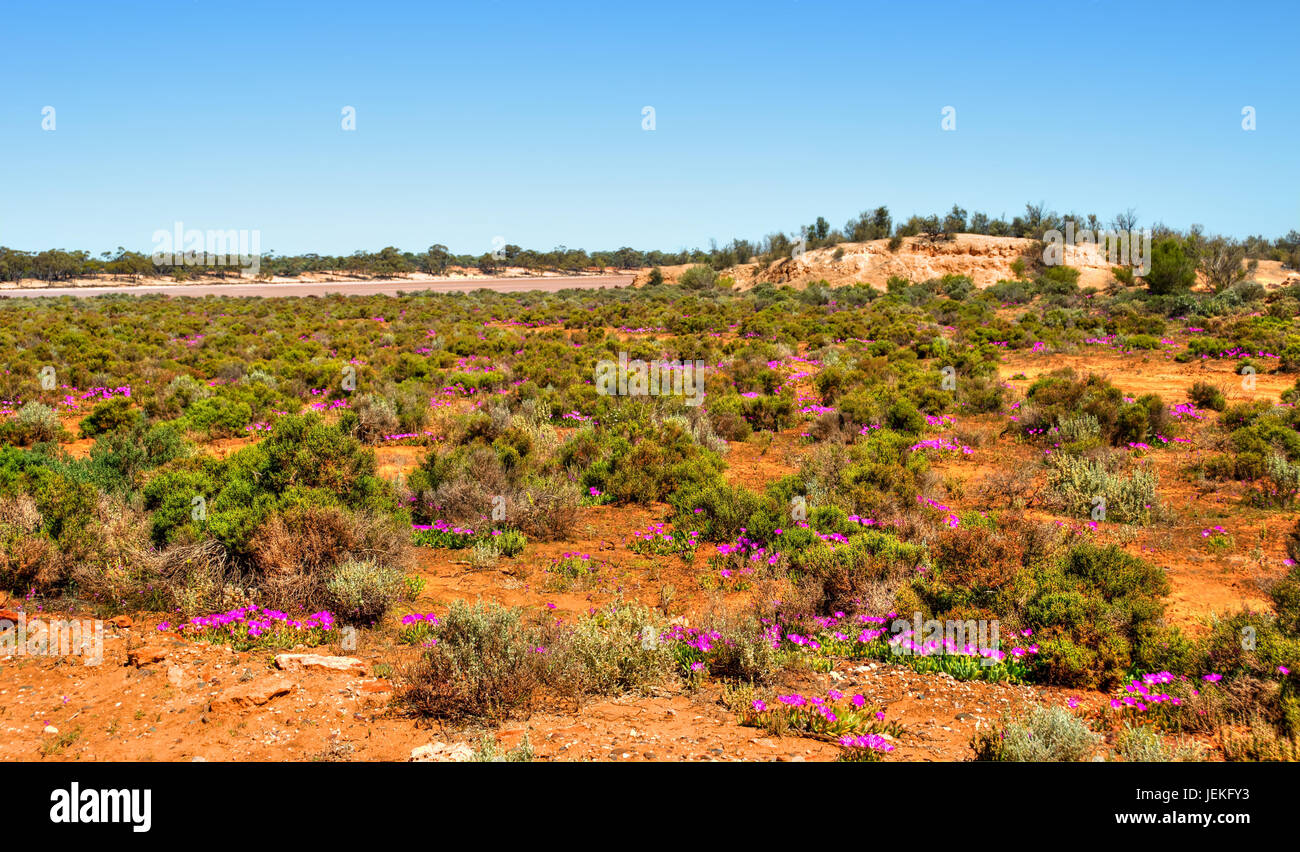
pixel 942 444
pixel 252 624
pixel 868 742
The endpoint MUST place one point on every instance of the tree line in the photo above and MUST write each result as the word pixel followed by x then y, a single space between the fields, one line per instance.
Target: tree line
pixel 1220 256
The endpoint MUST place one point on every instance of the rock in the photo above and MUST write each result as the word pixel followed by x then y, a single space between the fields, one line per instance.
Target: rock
pixel 120 621
pixel 145 655
pixel 175 675
pixel 377 687
pixel 50 729
pixel 300 662
pixel 8 615
pixel 442 753
pixel 253 694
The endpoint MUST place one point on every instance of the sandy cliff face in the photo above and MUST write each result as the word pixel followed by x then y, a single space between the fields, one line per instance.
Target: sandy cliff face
pixel 986 260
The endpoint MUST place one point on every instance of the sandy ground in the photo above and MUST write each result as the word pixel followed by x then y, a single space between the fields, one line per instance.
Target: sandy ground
pixel 347 288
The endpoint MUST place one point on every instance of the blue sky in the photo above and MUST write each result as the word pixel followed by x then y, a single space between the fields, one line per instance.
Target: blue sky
pixel 524 120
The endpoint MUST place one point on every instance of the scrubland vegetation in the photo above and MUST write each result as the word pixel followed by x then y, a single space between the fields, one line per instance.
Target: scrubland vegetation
pixel 214 462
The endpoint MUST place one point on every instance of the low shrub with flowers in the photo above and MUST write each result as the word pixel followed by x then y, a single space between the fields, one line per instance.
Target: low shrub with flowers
pixel 734 565
pixel 572 570
pixel 964 662
pixel 864 748
pixel 849 720
pixel 1217 539
pixel 593 496
pixel 942 445
pixel 751 651
pixel 1177 703
pixel 444 534
pixel 867 637
pixel 417 628
pixel 255 627
pixel 656 540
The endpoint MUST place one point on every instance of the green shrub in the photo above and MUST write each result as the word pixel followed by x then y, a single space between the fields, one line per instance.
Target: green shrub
pixel 698 278
pixel 1173 269
pixel 1205 395
pixel 362 591
pixel 1141 744
pixel 485 662
pixel 1042 735
pixel 1115 573
pixel 34 423
pixel 109 416
pixel 1075 483
pixel 617 650
pixel 510 542
pixel 218 417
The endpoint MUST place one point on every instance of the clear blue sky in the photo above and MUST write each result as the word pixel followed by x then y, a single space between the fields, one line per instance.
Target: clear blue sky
pixel 523 120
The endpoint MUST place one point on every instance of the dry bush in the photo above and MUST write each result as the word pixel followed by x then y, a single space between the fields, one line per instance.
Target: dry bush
pixel 546 510
pixel 1260 743
pixel 20 512
pixel 24 553
pixel 195 578
pixel 27 561
pixel 700 424
pixel 113 569
pixel 977 558
pixel 731 427
pixel 826 463
pixel 295 553
pixel 976 434
pixel 125 570
pixel 828 429
pixel 841 588
pixel 1040 542
pixel 467 495
pixel 913 522
pixel 376 417
pixel 1012 487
